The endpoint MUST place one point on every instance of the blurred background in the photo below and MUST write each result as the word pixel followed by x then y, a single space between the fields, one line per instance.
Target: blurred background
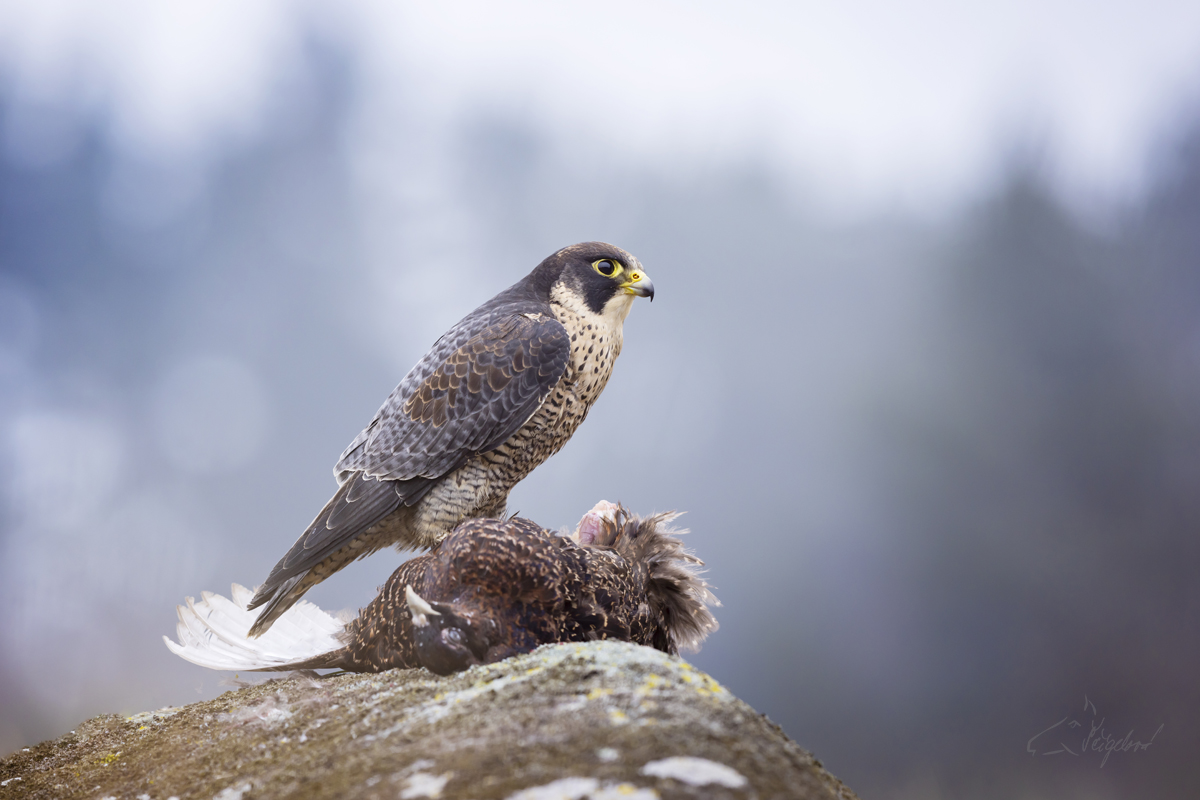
pixel 923 367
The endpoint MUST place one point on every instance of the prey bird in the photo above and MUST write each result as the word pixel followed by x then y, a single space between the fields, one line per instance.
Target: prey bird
pixel 496 395
pixel 493 589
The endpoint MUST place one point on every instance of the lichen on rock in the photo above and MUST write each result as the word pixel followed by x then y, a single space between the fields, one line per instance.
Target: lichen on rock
pixel 596 720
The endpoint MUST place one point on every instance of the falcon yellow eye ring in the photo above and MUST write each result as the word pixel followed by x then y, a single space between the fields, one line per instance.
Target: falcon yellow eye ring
pixel 607 267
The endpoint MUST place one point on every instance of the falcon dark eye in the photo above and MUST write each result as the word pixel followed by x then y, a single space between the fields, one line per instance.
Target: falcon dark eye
pixel 606 267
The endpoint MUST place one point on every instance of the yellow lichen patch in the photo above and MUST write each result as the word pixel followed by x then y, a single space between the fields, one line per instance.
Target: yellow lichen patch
pixel 598 692
pixel 651 683
pixel 709 687
pixel 617 717
pixel 108 759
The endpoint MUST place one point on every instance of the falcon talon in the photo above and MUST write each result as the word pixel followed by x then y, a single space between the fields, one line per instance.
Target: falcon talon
pixel 598 526
pixel 420 610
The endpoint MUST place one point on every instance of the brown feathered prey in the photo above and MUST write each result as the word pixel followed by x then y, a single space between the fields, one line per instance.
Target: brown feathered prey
pixel 493 589
pixel 495 396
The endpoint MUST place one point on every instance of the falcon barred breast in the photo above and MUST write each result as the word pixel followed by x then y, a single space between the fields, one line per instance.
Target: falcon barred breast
pixel 496 395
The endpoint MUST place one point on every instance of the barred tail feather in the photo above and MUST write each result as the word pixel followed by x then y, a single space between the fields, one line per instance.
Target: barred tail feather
pixel 214 633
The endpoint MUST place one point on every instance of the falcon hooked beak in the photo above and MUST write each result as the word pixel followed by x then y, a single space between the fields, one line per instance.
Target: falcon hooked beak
pixel 639 284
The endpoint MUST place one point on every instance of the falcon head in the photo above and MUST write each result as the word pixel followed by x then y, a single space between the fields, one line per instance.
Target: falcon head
pixel 595 276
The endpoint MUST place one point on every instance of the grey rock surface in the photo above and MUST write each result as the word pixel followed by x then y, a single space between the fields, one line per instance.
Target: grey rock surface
pixel 600 720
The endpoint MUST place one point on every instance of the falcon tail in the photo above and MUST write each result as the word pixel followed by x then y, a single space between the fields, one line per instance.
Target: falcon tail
pixel 214 633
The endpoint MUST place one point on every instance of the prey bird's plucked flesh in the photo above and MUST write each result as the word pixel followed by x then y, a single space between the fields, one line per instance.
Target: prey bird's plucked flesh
pixel 493 589
pixel 495 396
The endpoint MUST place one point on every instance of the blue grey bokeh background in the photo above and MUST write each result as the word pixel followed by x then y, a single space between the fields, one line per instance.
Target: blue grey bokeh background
pixel 923 368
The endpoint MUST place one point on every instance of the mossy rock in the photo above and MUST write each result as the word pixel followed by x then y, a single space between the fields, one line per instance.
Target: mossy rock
pixel 599 720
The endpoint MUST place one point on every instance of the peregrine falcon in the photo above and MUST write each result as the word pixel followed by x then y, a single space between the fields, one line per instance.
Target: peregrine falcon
pixel 495 396
pixel 493 589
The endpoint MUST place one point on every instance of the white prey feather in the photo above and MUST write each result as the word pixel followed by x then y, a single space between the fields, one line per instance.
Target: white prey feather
pixel 213 633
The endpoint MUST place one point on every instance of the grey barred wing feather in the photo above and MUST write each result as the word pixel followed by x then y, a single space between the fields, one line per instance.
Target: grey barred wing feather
pixel 470 403
pixel 439 417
